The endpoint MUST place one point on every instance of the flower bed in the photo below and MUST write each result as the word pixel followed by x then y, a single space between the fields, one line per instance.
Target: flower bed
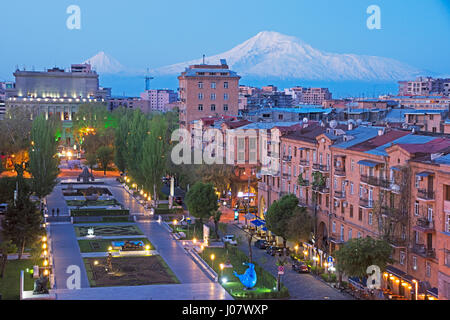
pixel 98 212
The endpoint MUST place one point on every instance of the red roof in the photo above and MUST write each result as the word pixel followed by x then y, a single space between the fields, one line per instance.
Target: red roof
pixel 436 145
pixel 379 140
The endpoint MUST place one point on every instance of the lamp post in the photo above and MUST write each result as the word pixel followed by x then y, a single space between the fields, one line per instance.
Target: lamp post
pixel 221 270
pixel 212 260
pixel 416 289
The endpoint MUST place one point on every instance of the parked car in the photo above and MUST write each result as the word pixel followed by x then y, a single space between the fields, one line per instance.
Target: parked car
pixel 229 238
pixel 300 267
pixel 274 250
pixel 3 208
pixel 261 244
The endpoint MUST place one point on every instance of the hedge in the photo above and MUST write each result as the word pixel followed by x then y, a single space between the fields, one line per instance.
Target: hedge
pixel 168 211
pixel 99 212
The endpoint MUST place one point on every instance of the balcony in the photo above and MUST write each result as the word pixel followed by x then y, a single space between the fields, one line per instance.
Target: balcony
pixel 424 251
pixel 286 176
pixel 321 167
pixel 424 225
pixel 339 194
pixel 336 238
pixel 321 189
pixel 424 194
pixel 303 183
pixel 304 163
pixel 339 172
pixel 366 203
pixel 398 242
pixel 374 181
pixel 287 158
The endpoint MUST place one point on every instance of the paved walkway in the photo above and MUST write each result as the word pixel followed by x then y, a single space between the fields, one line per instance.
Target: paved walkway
pixel 66 252
pixel 301 286
pixel 56 200
pixel 124 197
pixel 186 270
pixel 187 291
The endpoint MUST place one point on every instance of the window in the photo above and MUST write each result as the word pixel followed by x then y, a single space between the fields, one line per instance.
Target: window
pixel 416 208
pixel 447 222
pixel 225 85
pixel 241 150
pixel 280 117
pixel 225 107
pixel 414 263
pixel 350 234
pixel 200 107
pixel 352 165
pixel 213 96
pixel 360 191
pixel 351 211
pixel 351 188
pixel 200 85
pixel 213 85
pixel 200 96
pixel 213 107
pixel 359 235
pixel 370 218
pixel 402 257
pixel 428 269
pixel 333 226
pixel 417 181
pixel 342 232
pixel 360 214
pixel 225 96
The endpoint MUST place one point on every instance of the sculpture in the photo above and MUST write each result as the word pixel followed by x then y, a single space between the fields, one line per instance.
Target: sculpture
pixel 86 175
pixel 248 279
pixel 40 285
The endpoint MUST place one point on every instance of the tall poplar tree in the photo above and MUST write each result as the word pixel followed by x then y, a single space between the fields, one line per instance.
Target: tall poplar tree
pixel 43 164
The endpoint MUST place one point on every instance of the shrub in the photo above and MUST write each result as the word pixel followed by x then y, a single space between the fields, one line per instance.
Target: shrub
pixel 329 277
pixel 98 212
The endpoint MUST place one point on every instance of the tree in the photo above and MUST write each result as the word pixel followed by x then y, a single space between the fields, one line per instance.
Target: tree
pixel 216 217
pixel 91 160
pixel 120 138
pixel 279 215
pixel 220 175
pixel 356 255
pixel 15 131
pixel 139 129
pixel 201 200
pixel 300 225
pixel 154 155
pixel 6 247
pixel 22 221
pixel 43 164
pixel 105 155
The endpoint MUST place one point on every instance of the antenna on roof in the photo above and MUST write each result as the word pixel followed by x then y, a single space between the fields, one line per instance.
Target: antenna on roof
pixel 203 59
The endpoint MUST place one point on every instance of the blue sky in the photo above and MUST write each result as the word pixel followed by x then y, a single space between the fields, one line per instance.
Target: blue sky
pixel 153 33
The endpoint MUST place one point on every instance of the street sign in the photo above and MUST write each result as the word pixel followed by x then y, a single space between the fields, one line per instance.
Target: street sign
pixel 330 259
pixel 280 270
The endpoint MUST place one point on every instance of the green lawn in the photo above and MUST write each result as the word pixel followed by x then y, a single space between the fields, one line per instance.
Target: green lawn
pixel 104 244
pixel 10 284
pixel 190 232
pixel 265 285
pixel 105 219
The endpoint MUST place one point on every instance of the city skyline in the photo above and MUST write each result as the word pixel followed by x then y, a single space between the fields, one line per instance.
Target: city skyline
pixel 327 26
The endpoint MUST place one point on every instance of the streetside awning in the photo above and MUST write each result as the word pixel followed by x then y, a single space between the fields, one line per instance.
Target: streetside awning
pixel 424 174
pixel 368 163
pixel 250 216
pixel 257 222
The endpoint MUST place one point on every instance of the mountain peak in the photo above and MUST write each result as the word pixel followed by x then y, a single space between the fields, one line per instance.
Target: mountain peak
pixel 104 63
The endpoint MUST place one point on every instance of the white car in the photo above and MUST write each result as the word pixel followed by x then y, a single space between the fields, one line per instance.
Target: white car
pixel 230 239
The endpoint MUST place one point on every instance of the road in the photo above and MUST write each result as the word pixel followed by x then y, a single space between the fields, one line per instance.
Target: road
pixel 300 286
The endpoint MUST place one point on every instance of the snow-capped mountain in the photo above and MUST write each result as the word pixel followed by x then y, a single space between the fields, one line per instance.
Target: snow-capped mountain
pixel 274 55
pixel 103 63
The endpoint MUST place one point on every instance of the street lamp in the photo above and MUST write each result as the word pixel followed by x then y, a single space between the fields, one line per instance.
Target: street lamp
pixel 221 269
pixel 416 287
pixel 212 260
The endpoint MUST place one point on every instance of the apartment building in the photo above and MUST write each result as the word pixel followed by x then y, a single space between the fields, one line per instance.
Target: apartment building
pixel 377 182
pixel 208 90
pixel 424 86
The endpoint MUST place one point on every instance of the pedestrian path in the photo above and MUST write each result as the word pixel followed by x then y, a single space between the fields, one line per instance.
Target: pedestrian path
pixel 56 200
pixel 184 291
pixel 65 253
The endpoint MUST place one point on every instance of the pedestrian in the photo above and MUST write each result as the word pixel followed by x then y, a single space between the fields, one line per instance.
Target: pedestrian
pixel 57 212
pixel 53 212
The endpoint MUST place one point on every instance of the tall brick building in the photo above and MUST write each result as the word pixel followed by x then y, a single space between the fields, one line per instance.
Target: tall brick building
pixel 208 90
